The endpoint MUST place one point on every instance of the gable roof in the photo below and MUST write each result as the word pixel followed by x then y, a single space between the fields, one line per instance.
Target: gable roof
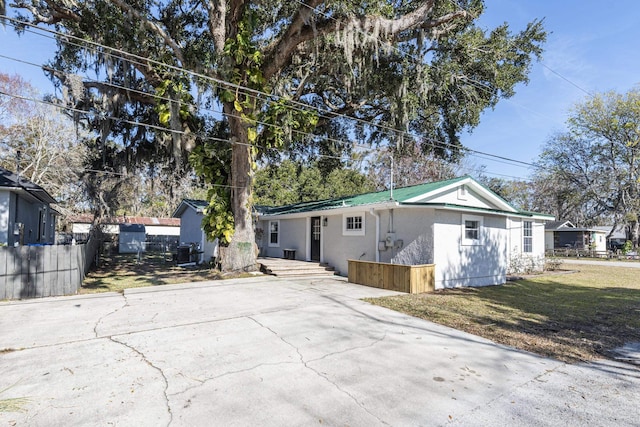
pixel 196 205
pixel 12 181
pixel 554 225
pixel 415 195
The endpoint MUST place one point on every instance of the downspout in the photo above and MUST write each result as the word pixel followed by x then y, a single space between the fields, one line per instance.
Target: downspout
pixel 391 231
pixel 377 216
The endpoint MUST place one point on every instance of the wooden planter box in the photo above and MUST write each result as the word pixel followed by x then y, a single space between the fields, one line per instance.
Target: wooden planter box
pixel 413 279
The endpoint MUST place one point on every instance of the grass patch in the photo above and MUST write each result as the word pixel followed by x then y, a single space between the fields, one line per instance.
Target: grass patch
pixel 13 405
pixel 571 317
pixel 123 271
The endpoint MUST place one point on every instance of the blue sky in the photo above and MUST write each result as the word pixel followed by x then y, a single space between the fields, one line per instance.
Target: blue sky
pixel 591 45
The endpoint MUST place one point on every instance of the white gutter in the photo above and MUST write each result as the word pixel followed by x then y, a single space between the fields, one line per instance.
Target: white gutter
pixel 377 216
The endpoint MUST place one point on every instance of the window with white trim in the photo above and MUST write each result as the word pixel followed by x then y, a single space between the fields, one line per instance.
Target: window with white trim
pixel 353 225
pixel 471 230
pixel 527 236
pixel 274 233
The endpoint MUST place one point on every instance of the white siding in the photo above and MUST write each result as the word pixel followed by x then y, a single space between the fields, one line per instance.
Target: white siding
pixel 516 256
pixel 455 197
pixel 338 249
pixel 163 230
pixel 292 235
pixel 479 265
pixel 548 240
pixel 601 241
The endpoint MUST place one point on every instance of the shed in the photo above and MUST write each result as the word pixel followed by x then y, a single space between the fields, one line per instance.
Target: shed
pixel 132 238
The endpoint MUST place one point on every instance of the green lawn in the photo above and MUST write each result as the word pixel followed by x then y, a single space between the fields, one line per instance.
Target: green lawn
pixel 576 316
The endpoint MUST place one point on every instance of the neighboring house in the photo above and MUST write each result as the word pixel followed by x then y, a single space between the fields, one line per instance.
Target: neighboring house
pixel 617 238
pixel 159 233
pixel 468 232
pixel 565 235
pixel 191 213
pixel 26 215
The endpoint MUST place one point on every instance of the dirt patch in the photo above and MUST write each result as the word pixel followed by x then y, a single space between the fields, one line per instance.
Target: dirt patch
pixel 118 272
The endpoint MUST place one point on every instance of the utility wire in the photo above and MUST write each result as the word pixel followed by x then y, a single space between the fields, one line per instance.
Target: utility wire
pixel 434 142
pixel 328 114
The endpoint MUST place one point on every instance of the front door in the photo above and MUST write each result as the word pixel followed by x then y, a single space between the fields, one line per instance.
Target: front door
pixel 315 238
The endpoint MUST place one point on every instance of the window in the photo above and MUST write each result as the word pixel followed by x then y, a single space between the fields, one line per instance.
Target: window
pixel 353 225
pixel 527 237
pixel 471 230
pixel 42 225
pixel 274 233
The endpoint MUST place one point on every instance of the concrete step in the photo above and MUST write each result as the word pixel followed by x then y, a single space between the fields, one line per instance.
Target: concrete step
pixel 285 267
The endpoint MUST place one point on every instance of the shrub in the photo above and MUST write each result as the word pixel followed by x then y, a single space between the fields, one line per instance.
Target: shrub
pixel 552 263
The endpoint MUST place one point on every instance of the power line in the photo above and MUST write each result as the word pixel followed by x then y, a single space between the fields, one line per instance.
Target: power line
pixel 304 107
pixel 434 142
pixel 440 144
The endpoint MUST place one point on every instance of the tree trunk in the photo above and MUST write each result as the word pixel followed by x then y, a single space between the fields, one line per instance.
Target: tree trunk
pixel 634 233
pixel 242 251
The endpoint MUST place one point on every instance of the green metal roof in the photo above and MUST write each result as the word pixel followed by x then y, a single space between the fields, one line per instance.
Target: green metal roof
pixel 399 195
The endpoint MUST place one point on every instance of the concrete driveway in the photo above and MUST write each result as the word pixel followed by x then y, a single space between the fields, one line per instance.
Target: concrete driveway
pixel 604 263
pixel 269 351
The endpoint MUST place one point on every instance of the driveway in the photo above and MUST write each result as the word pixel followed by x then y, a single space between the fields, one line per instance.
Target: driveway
pixel 270 351
pixel 607 263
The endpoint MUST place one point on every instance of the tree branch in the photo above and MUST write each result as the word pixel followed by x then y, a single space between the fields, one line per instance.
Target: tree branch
pixel 177 50
pixel 217 14
pixel 279 54
pixel 57 13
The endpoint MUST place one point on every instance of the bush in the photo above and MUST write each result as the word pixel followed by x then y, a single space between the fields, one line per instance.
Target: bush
pixel 552 263
pixel 524 264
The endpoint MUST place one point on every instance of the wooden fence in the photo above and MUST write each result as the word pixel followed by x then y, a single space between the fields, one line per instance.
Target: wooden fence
pixel 412 279
pixel 43 271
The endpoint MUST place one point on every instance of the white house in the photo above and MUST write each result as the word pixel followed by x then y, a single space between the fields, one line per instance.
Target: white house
pixel 191 213
pixel 565 235
pixel 469 233
pixel 26 215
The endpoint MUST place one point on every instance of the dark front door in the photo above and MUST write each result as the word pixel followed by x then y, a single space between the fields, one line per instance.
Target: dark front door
pixel 315 238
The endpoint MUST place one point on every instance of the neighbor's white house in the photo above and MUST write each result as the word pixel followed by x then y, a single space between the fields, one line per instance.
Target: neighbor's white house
pixel 565 235
pixel 468 232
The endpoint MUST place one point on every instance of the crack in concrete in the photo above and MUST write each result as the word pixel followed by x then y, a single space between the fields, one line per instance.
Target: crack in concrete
pixel 100 319
pixel 157 368
pixel 324 376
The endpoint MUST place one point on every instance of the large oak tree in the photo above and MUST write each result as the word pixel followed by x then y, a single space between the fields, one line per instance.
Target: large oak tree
pixel 423 68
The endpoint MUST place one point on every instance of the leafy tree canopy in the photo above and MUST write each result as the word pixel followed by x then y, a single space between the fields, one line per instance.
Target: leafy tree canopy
pixel 597 159
pixel 421 67
pixel 293 182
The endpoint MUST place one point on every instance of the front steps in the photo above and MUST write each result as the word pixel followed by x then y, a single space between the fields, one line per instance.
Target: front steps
pixel 292 268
